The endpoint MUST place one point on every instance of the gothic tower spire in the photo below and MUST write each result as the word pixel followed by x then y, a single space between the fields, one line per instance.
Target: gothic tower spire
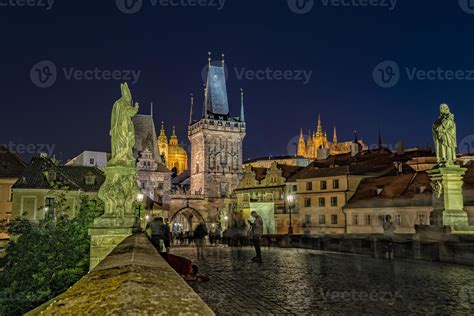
pixel 242 114
pixel 319 130
pixel 334 137
pixel 301 145
pixel 380 139
pixel 191 111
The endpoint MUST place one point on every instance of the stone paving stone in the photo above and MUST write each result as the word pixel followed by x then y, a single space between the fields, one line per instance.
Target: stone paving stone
pixel 311 282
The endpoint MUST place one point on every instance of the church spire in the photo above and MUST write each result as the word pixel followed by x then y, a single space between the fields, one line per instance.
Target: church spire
pixel 151 109
pixel 334 137
pixel 319 130
pixel 191 111
pixel 301 145
pixel 380 139
pixel 242 114
pixel 204 104
pixel 162 132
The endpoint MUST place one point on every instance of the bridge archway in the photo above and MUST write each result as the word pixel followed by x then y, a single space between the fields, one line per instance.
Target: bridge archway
pixel 186 219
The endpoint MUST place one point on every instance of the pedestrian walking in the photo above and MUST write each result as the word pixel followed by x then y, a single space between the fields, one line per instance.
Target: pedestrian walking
pixel 255 232
pixel 156 231
pixel 200 234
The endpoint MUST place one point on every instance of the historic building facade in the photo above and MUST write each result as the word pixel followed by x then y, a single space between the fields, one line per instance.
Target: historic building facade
pixel 216 141
pixel 216 157
pixel 45 182
pixel 172 153
pixel 268 185
pixel 11 168
pixel 319 140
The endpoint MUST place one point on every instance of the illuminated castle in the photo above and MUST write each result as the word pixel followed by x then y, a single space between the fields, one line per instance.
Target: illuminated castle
pixel 173 155
pixel 319 140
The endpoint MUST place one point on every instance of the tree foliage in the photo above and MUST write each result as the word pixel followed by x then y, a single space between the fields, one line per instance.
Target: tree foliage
pixel 44 258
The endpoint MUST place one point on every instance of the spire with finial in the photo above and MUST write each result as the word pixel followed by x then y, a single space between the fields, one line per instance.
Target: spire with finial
pixel 151 110
pixel 191 110
pixel 209 58
pixel 301 145
pixel 162 132
pixel 242 113
pixel 380 139
pixel 319 129
pixel 204 105
pixel 174 138
pixel 223 60
pixel 334 137
pixel 355 137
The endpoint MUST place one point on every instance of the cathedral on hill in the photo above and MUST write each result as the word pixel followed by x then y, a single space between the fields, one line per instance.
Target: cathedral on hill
pixel 319 140
pixel 172 153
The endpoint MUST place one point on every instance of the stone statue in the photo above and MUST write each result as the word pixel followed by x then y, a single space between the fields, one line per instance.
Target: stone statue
pixel 444 134
pixel 120 188
pixel 122 131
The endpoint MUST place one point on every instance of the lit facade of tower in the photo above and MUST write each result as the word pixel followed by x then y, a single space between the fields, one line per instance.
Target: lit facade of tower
pixel 216 141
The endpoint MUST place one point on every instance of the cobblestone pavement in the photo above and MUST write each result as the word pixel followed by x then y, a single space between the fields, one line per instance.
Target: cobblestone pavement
pixel 311 282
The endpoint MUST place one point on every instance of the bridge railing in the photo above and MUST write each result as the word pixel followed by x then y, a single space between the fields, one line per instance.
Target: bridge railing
pixel 133 280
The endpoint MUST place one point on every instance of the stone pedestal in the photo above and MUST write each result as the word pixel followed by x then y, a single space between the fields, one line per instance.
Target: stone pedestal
pixel 119 221
pixel 104 240
pixel 448 204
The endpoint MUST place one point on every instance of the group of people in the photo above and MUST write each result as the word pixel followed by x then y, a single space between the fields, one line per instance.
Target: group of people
pixel 160 236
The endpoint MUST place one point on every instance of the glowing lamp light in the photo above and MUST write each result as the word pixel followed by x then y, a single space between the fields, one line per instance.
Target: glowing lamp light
pixel 226 218
pixel 290 198
pixel 140 197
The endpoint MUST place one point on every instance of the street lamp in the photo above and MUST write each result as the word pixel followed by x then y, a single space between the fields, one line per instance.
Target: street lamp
pixel 290 199
pixel 140 200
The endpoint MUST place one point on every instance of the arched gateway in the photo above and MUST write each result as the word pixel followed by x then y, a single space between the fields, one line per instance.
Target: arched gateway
pixel 186 219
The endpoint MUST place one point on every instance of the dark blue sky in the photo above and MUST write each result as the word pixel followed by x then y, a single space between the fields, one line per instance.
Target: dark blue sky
pixel 169 45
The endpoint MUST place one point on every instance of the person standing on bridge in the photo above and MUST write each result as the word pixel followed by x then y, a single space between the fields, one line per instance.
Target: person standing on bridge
pixel 200 234
pixel 256 231
pixel 156 231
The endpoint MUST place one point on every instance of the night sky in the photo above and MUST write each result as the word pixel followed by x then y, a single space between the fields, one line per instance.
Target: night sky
pixel 339 45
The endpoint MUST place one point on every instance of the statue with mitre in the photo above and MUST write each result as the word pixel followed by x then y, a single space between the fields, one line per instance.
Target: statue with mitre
pixel 444 134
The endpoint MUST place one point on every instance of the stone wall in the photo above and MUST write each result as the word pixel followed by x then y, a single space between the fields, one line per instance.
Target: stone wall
pixel 460 251
pixel 132 280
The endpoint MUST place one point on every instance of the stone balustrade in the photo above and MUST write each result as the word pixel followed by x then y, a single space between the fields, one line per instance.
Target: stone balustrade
pixel 133 280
